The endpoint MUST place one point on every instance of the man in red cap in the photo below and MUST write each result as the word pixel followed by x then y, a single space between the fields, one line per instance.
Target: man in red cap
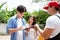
pixel 52 27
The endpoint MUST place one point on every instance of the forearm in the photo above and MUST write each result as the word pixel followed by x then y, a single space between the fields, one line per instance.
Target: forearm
pixel 11 30
pixel 46 32
pixel 40 31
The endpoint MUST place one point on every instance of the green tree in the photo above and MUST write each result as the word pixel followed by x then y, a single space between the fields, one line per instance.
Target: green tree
pixel 2 5
pixel 40 0
pixel 45 0
pixel 26 15
pixel 2 13
pixel 41 16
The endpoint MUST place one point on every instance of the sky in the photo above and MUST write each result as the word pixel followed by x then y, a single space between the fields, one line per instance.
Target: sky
pixel 27 3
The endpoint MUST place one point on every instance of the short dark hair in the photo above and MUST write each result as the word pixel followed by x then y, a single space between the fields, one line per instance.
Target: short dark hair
pixel 59 7
pixel 21 8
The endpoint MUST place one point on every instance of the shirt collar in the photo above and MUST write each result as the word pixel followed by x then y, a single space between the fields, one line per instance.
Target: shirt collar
pixel 16 16
pixel 57 14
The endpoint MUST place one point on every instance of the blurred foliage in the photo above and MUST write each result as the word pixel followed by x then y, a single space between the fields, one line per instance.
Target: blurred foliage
pixel 26 15
pixel 41 15
pixel 36 1
pixel 2 5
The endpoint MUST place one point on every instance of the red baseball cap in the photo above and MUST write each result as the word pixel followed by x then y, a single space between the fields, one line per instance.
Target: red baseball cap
pixel 52 3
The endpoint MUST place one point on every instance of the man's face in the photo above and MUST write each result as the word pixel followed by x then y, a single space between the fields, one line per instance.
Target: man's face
pixel 20 15
pixel 50 10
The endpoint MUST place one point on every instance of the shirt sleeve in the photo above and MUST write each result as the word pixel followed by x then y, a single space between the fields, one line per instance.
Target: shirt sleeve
pixel 9 25
pixel 50 23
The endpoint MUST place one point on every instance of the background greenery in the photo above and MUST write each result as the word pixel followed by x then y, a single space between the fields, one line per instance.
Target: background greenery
pixel 41 15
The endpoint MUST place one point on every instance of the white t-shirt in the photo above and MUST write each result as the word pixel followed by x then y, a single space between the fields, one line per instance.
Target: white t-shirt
pixel 19 33
pixel 53 22
pixel 31 34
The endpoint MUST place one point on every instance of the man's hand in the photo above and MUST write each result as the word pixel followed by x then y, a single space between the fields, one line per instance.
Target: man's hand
pixel 12 30
pixel 20 28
